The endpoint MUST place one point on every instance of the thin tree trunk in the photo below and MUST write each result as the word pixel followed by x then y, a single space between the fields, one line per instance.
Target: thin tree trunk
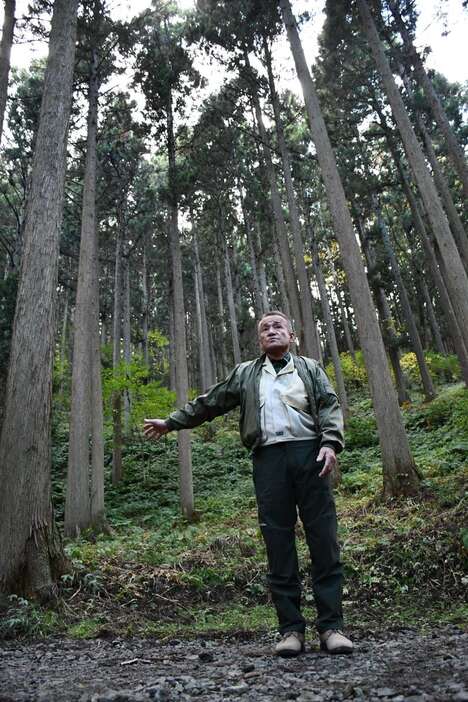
pixel 31 555
pixel 172 345
pixel 281 282
pixel 127 340
pixel 258 301
pixel 117 354
pixel 84 504
pixel 386 320
pixel 455 151
pixel 436 334
pixel 428 386
pixel 231 305
pixel 5 52
pixel 279 223
pixel 222 350
pixel 63 344
pixel 181 379
pixel 444 191
pixel 457 282
pixel 342 310
pixel 331 337
pixel 311 347
pixel 399 470
pixel 203 384
pixel 145 304
pixel 208 358
pixel 261 266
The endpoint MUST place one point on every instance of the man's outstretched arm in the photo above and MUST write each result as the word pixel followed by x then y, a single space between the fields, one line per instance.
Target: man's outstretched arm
pixel 218 400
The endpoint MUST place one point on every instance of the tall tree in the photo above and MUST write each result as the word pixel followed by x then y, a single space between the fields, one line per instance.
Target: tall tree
pixel 400 475
pixel 457 281
pixel 311 344
pixel 162 43
pixel 84 505
pixel 6 43
pixel 31 556
pixel 454 149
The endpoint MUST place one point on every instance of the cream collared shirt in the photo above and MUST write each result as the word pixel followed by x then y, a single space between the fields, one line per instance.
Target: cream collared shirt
pixel 284 405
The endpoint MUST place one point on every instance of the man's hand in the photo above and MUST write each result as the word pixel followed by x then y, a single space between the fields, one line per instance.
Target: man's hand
pixel 327 453
pixel 155 428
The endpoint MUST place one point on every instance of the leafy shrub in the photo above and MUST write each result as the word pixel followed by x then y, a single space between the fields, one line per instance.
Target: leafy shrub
pixel 441 368
pixel 354 371
pixel 450 408
pixel 149 399
pixel 23 618
pixel 361 432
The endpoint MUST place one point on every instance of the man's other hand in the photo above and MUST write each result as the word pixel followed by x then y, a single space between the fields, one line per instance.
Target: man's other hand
pixel 155 428
pixel 327 453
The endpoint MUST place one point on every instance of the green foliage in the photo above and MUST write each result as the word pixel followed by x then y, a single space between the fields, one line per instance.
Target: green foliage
pixel 24 618
pixel 449 409
pixel 149 398
pixel 361 430
pixel 354 371
pixel 441 368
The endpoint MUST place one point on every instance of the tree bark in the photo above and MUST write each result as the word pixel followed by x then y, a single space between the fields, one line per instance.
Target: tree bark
pixel 222 364
pixel 310 343
pixel 209 372
pixel 436 333
pixel 249 235
pixel 426 379
pixel 6 43
pixel 455 151
pixel 31 555
pixel 180 342
pixel 261 266
pixel 84 504
pixel 331 337
pixel 289 274
pixel 203 383
pixel 386 320
pixel 117 470
pixel 444 191
pixel 231 305
pixel 456 334
pixel 145 305
pixel 457 282
pixel 127 340
pixel 400 474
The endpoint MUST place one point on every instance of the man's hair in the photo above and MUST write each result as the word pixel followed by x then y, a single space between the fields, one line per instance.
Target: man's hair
pixel 274 313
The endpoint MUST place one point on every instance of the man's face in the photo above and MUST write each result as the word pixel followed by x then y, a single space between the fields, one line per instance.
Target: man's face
pixel 274 335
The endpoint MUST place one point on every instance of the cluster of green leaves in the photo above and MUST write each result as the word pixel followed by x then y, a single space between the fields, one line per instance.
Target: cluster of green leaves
pixel 24 618
pixel 442 368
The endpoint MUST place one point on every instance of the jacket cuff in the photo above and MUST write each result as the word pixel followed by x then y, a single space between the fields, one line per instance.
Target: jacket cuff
pixel 170 424
pixel 335 445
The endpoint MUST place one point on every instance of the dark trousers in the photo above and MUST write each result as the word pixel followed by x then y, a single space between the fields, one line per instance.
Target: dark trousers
pixel 287 482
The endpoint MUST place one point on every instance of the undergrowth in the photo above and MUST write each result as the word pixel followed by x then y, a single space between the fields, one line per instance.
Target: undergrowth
pixel 156 574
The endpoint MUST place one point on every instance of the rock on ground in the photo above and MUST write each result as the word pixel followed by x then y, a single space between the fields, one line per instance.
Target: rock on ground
pixel 401 665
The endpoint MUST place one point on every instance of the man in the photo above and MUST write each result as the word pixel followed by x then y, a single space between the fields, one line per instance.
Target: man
pixel 291 420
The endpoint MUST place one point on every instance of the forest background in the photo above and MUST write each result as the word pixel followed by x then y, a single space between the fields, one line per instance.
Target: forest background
pixel 166 178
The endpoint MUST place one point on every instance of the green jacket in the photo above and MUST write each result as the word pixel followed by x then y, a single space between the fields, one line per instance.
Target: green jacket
pixel 242 388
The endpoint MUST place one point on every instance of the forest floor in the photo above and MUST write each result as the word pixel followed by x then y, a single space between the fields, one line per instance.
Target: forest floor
pixel 394 664
pixel 163 609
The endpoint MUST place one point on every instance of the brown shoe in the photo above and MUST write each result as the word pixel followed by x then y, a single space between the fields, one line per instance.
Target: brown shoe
pixel 291 644
pixel 334 641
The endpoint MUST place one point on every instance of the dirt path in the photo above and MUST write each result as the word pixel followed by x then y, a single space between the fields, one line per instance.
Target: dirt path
pixel 399 665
